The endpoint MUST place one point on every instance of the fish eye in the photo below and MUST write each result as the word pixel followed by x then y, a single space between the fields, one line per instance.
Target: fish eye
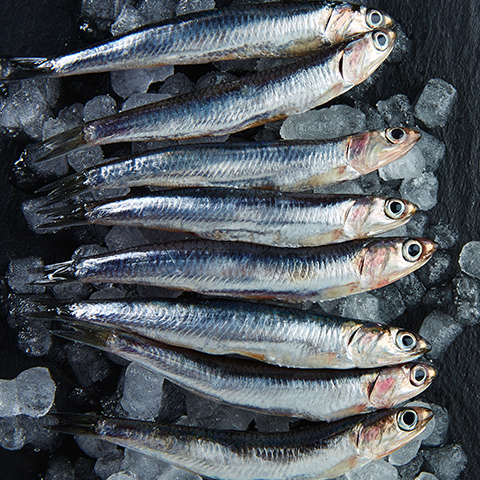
pixel 405 341
pixel 381 40
pixel 418 375
pixel 394 208
pixel 407 420
pixel 374 18
pixel 412 250
pixel 395 135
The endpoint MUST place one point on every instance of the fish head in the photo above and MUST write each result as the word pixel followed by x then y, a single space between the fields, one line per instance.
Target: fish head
pixel 362 56
pixel 384 260
pixel 382 433
pixel 372 150
pixel 399 383
pixel 347 21
pixel 370 216
pixel 374 344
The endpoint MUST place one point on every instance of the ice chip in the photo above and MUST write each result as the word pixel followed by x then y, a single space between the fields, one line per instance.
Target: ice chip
pixel 421 190
pixel 469 260
pixel 87 363
pixel 440 427
pixel 12 433
pixel 123 476
pixel 142 393
pixel 129 19
pixel 22 272
pixel 140 99
pixel 71 291
pixel 127 82
pixel 426 476
pixel 177 84
pixel 433 151
pixel 189 6
pixel 94 447
pixel 405 454
pixel 324 124
pixel 397 111
pixel 173 473
pixel 156 10
pixel 120 238
pixel 437 271
pixel 410 165
pixel 467 299
pixel 59 468
pixel 109 465
pixel 443 235
pixel 447 462
pixel 85 158
pixel 144 467
pixel 214 78
pixel 363 306
pixel 417 226
pixel 99 107
pixel 440 330
pixel 34 338
pixel 435 103
pixel 411 290
pixel 378 470
pixel 439 297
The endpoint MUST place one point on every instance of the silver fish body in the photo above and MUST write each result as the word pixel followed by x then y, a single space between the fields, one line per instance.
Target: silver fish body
pixel 254 100
pixel 267 218
pixel 281 336
pixel 287 166
pixel 325 395
pixel 314 452
pixel 269 30
pixel 253 271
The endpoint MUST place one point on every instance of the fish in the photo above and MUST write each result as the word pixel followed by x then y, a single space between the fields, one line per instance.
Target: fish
pixel 312 394
pixel 288 166
pixel 313 452
pixel 261 217
pixel 230 107
pixel 252 271
pixel 268 30
pixel 272 334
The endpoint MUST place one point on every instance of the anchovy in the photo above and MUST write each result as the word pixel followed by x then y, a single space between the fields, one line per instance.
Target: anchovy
pixel 325 395
pixel 281 336
pixel 287 166
pixel 253 271
pixel 226 108
pixel 269 30
pixel 311 453
pixel 267 218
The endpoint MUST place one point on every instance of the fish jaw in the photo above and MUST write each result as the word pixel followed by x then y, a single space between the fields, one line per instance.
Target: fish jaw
pixel 364 55
pixel 372 150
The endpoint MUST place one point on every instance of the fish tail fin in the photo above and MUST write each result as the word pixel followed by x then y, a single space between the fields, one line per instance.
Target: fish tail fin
pixel 38 308
pixel 62 216
pixel 55 146
pixel 64 188
pixel 74 423
pixel 18 68
pixel 55 273
pixel 92 336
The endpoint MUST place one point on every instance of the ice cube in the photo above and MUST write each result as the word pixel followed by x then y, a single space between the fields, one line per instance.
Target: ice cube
pixel 378 470
pixel 189 6
pixel 173 473
pixel 177 84
pixel 405 454
pixel 363 306
pixel 214 78
pixel 440 330
pixel 145 467
pixel 323 124
pixel 59 468
pixel 433 151
pixel 120 238
pixel 99 107
pixel 435 103
pixel 31 393
pixel 142 393
pixel 123 476
pixel 411 290
pixel 34 338
pixel 396 111
pixel 129 19
pixel 12 433
pixel 422 190
pixel 437 270
pixel 447 462
pixel 109 465
pixel 439 297
pixel 84 469
pixel 22 272
pixel 401 47
pixel 469 260
pixel 409 166
pixel 88 251
pixel 71 291
pixel 467 299
pixel 88 364
pixel 443 235
pixel 418 225
pixel 108 293
pixel 94 447
pixel 140 99
pixel 410 470
pixel 128 82
pixel 426 476
pixel 440 421
pixel 156 10
pixel 85 158
pixel 391 303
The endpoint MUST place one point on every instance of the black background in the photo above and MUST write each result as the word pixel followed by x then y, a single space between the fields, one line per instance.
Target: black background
pixel 445 44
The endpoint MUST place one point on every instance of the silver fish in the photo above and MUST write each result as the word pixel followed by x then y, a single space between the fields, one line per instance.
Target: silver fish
pixel 253 271
pixel 254 100
pixel 287 166
pixel 281 336
pixel 268 30
pixel 267 218
pixel 315 452
pixel 325 395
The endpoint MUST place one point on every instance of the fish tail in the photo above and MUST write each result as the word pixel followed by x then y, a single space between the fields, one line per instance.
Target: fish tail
pixel 38 308
pixel 74 423
pixel 56 273
pixel 93 336
pixel 62 216
pixel 55 146
pixel 64 188
pixel 18 68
